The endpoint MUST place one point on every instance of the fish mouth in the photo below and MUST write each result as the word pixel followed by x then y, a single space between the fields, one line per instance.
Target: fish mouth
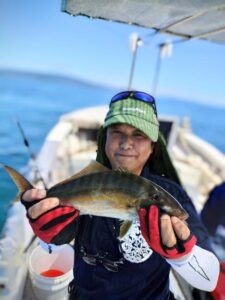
pixel 184 216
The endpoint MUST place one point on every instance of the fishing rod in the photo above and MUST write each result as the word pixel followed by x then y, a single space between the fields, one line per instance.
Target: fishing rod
pixel 31 154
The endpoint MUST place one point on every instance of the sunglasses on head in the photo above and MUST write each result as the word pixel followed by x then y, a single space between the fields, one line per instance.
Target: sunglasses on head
pixel 141 96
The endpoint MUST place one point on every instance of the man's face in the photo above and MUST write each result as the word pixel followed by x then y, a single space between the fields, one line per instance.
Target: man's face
pixel 127 147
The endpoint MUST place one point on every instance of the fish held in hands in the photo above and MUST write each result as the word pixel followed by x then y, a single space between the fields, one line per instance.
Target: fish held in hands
pixel 97 190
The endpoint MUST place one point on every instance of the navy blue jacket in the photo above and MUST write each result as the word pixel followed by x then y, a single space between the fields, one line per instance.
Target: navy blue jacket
pixel 213 213
pixel 97 237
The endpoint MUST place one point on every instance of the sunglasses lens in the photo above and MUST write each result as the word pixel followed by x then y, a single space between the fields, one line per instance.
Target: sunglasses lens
pixel 120 96
pixel 90 260
pixel 111 267
pixel 144 97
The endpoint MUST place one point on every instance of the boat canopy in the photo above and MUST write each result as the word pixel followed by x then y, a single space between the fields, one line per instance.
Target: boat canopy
pixel 203 19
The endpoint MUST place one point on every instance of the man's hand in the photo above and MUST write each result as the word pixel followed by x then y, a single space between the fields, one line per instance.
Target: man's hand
pixel 50 221
pixel 31 199
pixel 168 236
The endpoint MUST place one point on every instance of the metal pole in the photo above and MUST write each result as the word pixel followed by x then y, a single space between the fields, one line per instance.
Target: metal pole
pixel 156 73
pixel 165 50
pixel 133 65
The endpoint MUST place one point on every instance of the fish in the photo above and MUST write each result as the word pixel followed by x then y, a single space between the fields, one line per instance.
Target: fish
pixel 99 191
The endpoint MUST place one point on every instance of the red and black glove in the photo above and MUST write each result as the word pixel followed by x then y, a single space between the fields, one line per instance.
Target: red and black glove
pixel 219 291
pixel 150 228
pixel 55 226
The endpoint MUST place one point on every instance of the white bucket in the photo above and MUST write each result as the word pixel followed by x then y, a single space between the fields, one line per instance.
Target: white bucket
pixel 51 288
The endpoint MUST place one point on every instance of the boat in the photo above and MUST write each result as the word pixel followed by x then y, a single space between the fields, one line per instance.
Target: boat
pixel 71 143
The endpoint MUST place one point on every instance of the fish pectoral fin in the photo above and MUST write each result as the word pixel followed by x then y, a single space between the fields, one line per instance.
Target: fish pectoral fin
pixel 92 167
pixel 21 182
pixel 124 228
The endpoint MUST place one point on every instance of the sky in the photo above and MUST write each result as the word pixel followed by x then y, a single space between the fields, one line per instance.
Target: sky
pixel 36 36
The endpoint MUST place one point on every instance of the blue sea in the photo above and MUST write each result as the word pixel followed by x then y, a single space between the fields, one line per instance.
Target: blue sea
pixel 38 101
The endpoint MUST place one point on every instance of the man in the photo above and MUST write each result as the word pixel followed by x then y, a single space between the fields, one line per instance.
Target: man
pixel 137 266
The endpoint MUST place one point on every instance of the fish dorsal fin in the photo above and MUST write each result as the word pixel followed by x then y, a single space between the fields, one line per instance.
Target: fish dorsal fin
pixel 21 182
pixel 122 170
pixel 92 167
pixel 124 228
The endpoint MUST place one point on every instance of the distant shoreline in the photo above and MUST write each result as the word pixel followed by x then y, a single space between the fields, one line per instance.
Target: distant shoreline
pixel 55 77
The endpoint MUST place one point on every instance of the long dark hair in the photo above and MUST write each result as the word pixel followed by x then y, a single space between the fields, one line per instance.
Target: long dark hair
pixel 159 162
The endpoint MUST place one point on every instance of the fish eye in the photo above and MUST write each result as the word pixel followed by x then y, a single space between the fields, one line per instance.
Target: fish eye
pixel 156 197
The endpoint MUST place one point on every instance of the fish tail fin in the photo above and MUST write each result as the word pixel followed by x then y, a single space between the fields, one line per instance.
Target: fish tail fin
pixel 21 182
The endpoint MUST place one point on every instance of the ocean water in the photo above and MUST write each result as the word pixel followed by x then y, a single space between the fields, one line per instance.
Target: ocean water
pixel 37 101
